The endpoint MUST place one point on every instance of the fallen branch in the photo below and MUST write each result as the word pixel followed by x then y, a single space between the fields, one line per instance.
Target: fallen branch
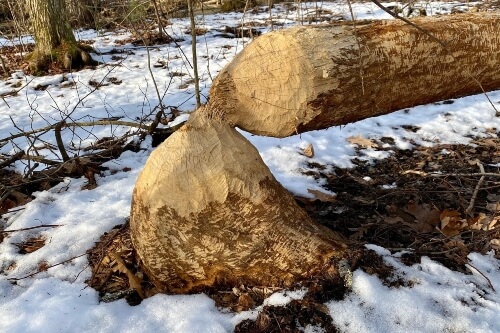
pixel 87 123
pixel 51 266
pixel 31 228
pixel 80 124
pixel 472 174
pixel 59 141
pixel 39 159
pixel 17 156
pixel 476 190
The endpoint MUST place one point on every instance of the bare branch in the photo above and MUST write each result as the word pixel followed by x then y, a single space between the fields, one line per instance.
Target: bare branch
pixel 393 14
pixel 77 124
pixel 59 141
pixel 195 57
pixel 35 273
pixel 476 190
pixel 31 228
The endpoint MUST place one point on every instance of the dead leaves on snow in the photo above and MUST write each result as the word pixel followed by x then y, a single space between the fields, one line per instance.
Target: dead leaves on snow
pixel 31 245
pixel 115 271
pixel 362 142
pixel 116 263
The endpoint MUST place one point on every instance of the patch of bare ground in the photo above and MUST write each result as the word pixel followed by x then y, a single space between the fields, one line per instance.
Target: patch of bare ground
pixel 441 202
pixel 424 212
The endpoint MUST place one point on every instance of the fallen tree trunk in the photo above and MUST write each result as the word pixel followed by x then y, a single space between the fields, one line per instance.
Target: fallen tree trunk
pixel 206 210
pixel 309 78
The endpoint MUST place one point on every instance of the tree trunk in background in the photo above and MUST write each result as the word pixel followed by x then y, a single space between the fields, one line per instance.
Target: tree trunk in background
pixel 54 37
pixel 309 78
pixel 50 25
pixel 82 12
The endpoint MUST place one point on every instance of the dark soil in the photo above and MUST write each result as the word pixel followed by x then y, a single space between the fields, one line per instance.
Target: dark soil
pixel 397 218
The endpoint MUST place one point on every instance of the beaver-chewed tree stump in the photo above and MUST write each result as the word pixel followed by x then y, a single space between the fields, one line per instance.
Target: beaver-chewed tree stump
pixel 206 210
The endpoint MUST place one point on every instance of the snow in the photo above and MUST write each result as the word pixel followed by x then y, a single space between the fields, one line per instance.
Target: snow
pixel 57 300
pixel 439 300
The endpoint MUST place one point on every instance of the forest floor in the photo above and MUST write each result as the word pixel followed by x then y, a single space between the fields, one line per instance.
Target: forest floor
pixel 415 194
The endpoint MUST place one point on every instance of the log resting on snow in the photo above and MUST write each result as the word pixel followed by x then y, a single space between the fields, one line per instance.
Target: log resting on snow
pixel 309 78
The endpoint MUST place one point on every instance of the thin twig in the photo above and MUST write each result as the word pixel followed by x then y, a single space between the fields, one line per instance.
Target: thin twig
pixel 497 113
pixel 487 279
pixel 395 15
pixel 31 228
pixel 35 273
pixel 3 99
pixel 193 50
pixel 360 56
pixel 15 91
pixel 160 101
pixel 476 190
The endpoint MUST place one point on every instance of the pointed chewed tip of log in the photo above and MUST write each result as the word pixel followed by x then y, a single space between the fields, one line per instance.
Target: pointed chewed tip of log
pixel 207 211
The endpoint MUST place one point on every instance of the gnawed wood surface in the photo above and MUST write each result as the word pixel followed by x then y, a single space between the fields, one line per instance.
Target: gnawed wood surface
pixel 206 210
pixel 308 78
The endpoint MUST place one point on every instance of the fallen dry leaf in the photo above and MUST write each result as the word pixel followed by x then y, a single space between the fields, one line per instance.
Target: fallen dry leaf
pixel 31 245
pixel 492 142
pixel 495 244
pixel 426 216
pixel 322 196
pixel 308 151
pixel 493 207
pixel 452 223
pixel 481 222
pixel 457 244
pixel 134 281
pixel 362 142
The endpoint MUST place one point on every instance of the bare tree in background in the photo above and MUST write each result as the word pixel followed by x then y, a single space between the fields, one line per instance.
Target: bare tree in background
pixel 54 37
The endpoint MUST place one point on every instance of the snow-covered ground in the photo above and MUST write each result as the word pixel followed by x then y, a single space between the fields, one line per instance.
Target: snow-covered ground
pixel 58 300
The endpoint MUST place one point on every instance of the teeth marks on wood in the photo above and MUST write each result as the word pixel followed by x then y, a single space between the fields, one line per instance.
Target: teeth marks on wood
pixel 215 215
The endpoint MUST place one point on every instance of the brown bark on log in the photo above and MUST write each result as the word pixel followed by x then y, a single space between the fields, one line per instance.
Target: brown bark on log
pixel 206 210
pixel 309 78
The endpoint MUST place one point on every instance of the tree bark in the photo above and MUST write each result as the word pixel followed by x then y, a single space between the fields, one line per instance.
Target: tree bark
pixel 54 39
pixel 50 25
pixel 310 78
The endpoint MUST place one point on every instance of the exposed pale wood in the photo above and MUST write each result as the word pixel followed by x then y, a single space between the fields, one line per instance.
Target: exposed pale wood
pixel 309 78
pixel 207 210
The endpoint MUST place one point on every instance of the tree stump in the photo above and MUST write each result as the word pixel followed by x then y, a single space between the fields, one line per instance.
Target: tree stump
pixel 207 211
